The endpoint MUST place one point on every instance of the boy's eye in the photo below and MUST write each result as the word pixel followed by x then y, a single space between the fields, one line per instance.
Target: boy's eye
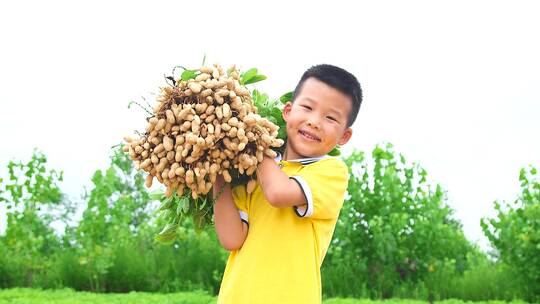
pixel 331 118
pixel 306 107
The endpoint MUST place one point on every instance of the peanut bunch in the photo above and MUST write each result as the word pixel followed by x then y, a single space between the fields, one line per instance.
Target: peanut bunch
pixel 203 127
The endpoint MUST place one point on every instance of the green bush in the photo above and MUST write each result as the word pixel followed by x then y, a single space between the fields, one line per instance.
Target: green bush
pixel 113 249
pixel 395 228
pixel 29 241
pixel 485 279
pixel 515 233
pixel 395 238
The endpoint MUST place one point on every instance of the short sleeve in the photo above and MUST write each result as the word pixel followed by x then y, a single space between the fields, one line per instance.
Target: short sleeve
pixel 324 184
pixel 240 198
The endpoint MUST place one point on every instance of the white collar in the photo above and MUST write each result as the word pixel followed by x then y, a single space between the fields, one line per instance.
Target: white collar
pixel 303 161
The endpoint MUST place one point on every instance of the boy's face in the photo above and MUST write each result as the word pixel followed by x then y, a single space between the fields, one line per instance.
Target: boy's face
pixel 317 120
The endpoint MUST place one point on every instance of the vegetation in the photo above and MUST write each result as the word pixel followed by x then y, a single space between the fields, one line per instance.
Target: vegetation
pixel 396 238
pixel 396 227
pixel 31 296
pixel 515 233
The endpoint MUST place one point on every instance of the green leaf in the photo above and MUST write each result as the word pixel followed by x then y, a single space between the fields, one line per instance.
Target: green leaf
pixel 276 113
pixel 179 209
pixel 255 78
pixel 255 94
pixel 182 203
pixel 245 77
pixel 168 233
pixel 188 74
pixel 201 207
pixel 335 152
pixel 156 195
pixel 166 204
pixel 282 133
pixel 272 119
pixel 186 204
pixel 286 97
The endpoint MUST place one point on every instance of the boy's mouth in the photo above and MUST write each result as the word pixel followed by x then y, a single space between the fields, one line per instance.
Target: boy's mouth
pixel 308 135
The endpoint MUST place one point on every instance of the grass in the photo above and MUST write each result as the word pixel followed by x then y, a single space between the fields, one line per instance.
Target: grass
pixel 64 296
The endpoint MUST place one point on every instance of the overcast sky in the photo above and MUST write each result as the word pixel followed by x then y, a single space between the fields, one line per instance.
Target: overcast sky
pixel 453 85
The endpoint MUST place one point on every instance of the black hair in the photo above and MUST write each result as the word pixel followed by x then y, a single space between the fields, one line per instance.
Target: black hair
pixel 338 79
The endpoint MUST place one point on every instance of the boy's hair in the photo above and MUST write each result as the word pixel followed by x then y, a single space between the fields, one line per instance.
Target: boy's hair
pixel 338 79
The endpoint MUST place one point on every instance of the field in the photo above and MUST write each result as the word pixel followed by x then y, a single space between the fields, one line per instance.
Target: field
pixel 64 296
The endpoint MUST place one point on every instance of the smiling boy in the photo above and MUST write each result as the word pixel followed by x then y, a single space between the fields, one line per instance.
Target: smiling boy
pixel 279 234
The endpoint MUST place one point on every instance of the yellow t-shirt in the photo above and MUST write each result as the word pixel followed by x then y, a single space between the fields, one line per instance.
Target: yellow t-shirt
pixel 280 260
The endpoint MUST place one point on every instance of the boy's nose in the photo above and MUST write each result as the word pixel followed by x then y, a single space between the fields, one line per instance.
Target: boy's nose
pixel 313 122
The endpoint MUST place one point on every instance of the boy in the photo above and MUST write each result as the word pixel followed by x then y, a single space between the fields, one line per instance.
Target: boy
pixel 279 234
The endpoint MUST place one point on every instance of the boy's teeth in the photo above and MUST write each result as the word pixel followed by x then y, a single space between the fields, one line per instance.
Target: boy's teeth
pixel 309 135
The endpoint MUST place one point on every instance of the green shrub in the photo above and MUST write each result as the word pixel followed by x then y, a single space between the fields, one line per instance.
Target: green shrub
pixel 515 233
pixel 29 241
pixel 395 228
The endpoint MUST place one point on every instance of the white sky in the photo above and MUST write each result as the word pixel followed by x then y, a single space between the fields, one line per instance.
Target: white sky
pixel 453 85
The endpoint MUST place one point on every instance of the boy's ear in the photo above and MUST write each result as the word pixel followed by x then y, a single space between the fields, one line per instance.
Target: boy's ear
pixel 345 137
pixel 286 110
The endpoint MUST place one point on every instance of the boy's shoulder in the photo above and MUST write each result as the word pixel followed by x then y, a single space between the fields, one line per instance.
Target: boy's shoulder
pixel 328 169
pixel 325 162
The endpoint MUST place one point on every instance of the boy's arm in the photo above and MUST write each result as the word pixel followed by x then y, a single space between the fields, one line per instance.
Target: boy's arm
pixel 279 190
pixel 230 229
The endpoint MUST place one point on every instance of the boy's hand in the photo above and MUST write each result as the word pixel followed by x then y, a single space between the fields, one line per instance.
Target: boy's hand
pixel 279 190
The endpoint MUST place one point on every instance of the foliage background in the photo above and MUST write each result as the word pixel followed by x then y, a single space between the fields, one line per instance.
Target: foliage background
pixel 396 237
